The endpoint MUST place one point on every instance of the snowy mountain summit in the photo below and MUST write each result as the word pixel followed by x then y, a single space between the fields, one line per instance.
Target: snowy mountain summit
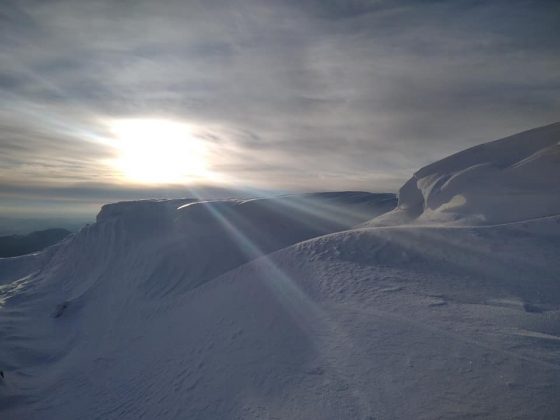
pixel 507 180
pixel 314 306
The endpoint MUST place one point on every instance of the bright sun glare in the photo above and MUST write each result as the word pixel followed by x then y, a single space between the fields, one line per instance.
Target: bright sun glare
pixel 155 151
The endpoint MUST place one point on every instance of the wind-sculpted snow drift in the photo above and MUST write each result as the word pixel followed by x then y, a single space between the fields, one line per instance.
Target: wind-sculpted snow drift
pixel 512 179
pixel 179 309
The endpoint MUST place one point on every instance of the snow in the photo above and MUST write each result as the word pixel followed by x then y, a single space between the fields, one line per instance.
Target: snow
pixel 276 309
pixel 512 179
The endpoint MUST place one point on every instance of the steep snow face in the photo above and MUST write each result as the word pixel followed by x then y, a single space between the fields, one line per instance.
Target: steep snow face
pixel 515 178
pixel 170 246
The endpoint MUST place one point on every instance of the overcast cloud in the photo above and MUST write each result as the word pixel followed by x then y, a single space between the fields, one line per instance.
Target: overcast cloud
pixel 290 95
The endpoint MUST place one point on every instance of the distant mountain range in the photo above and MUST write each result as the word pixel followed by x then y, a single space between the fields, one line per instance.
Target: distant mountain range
pixel 14 245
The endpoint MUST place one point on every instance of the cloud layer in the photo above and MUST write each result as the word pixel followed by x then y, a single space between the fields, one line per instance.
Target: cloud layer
pixel 313 95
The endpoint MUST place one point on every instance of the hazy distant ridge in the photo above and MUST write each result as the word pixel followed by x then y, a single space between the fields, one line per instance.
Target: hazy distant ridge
pixel 14 245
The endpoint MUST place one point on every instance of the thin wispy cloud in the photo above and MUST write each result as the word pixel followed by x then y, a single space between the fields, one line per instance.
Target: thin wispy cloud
pixel 313 95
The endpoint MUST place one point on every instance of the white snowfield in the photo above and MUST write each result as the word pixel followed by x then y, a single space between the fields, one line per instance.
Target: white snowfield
pixel 257 310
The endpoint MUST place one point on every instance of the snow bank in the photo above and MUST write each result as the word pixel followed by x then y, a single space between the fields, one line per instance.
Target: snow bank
pixel 515 178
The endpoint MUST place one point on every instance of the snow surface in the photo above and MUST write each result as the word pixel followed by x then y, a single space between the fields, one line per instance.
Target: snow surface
pixel 256 310
pixel 512 179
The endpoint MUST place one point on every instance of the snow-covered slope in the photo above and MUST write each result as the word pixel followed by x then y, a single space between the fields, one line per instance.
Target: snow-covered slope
pixel 515 178
pixel 242 310
pixel 374 323
pixel 136 261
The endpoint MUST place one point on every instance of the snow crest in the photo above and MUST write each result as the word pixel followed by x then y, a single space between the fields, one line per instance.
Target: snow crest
pixel 507 180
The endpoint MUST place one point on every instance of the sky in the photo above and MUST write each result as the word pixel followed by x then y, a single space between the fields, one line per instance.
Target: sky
pixel 104 100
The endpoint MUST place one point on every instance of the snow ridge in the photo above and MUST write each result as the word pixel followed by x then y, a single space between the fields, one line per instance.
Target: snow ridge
pixel 511 179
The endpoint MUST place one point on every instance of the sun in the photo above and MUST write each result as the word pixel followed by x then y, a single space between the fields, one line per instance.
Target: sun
pixel 154 151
